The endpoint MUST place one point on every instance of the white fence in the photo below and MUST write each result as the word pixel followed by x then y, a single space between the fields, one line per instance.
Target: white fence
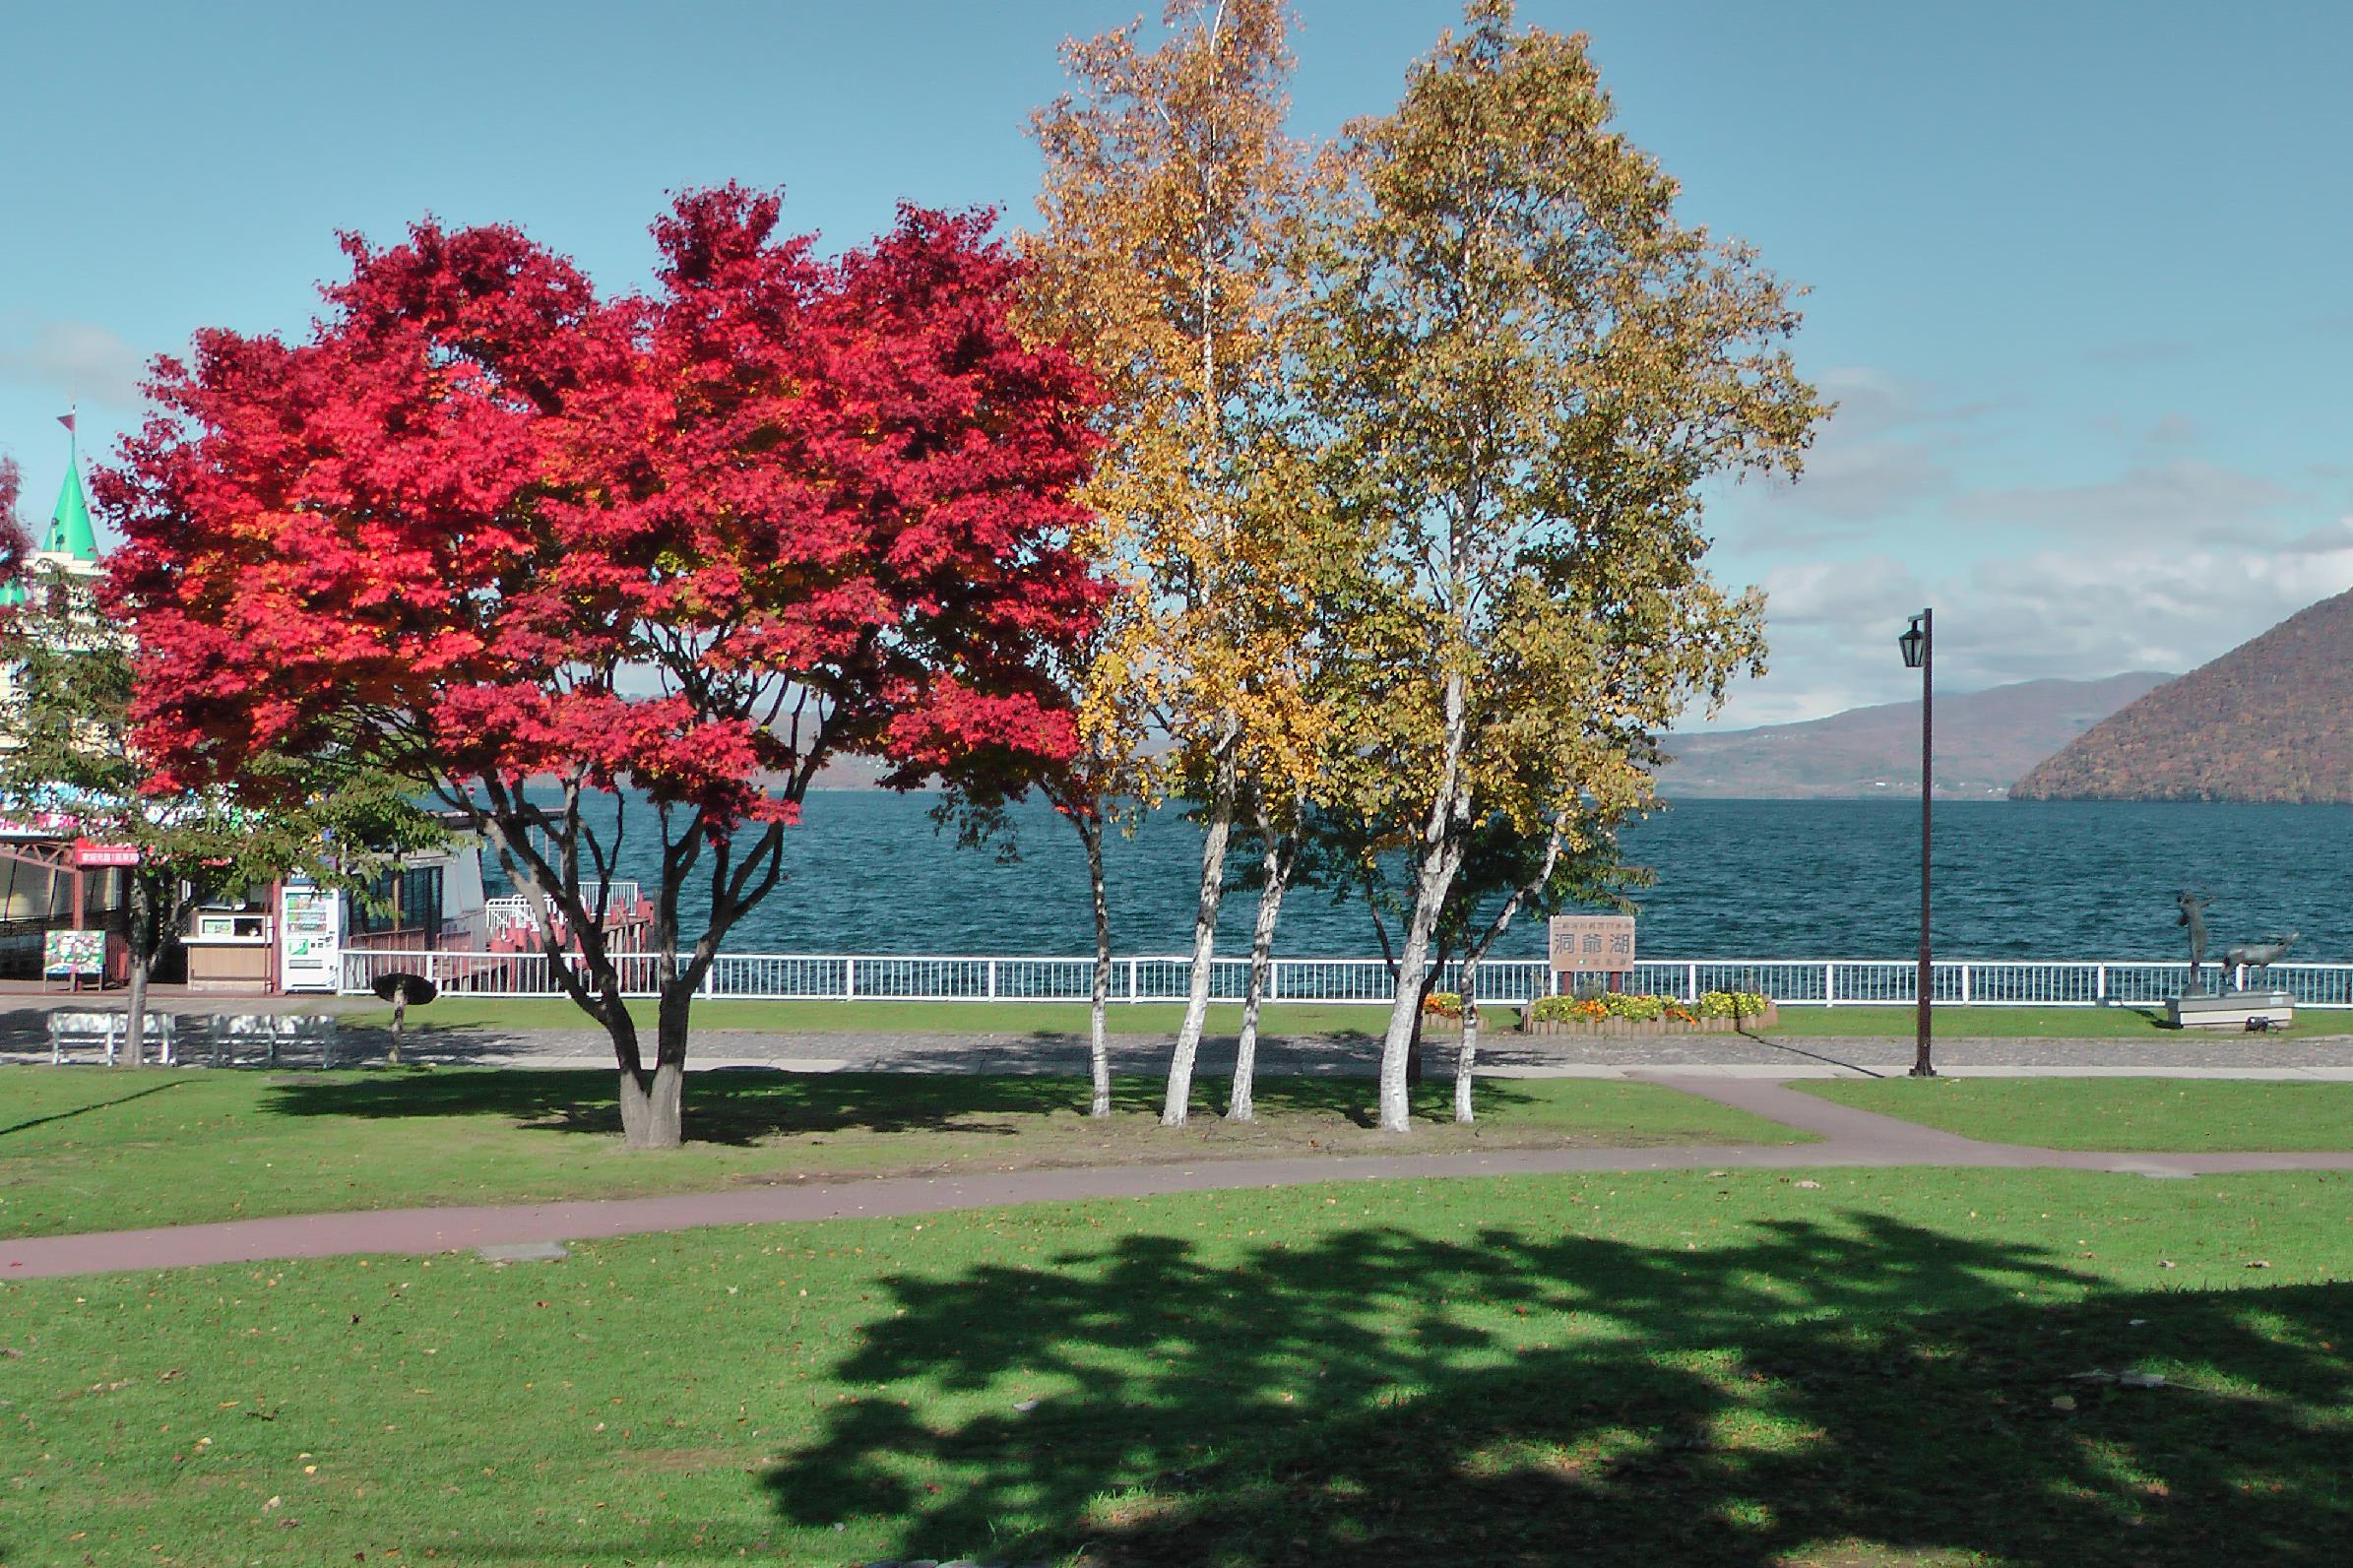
pixel 1832 982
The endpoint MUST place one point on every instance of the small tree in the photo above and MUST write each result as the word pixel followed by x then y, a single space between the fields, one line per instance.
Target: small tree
pixel 68 748
pixel 678 549
pixel 1528 368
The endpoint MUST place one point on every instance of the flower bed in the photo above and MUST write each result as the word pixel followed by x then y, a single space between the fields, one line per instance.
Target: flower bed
pixel 1620 1013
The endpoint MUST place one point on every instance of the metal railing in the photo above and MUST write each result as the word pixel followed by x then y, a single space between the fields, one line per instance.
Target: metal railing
pixel 1828 983
pixel 508 910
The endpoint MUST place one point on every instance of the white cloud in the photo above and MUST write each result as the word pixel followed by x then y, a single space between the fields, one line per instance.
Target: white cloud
pixel 2052 613
pixel 1885 450
pixel 2178 500
pixel 76 360
pixel 2089 615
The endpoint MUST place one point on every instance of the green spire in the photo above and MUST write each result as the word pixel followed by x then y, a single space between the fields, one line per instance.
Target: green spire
pixel 69 523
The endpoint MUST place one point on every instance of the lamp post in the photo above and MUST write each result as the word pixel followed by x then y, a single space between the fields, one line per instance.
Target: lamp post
pixel 1917 643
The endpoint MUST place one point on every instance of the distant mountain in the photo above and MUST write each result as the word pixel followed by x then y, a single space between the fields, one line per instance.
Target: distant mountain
pixel 2270 720
pixel 1985 740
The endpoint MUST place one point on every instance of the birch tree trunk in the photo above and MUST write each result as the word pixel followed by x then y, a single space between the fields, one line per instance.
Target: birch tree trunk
pixel 1466 1059
pixel 1434 878
pixel 1099 1051
pixel 1219 833
pixel 1466 1063
pixel 1276 864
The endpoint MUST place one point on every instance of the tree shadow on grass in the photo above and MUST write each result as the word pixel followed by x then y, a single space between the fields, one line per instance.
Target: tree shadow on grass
pixel 1860 1392
pixel 750 1108
pixel 83 1110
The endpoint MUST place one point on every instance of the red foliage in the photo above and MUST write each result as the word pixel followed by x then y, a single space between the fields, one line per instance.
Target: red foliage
pixel 482 523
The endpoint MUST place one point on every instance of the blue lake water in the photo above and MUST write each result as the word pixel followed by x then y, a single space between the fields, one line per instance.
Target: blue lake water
pixel 868 874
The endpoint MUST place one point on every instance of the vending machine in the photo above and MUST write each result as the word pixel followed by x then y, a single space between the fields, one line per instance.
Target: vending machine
pixel 311 946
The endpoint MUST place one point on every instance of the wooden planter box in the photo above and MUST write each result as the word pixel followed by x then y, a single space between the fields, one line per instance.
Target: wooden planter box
pixel 1657 1026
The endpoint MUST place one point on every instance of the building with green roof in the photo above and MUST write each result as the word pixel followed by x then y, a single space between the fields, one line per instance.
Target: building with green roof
pixel 69 541
pixel 69 533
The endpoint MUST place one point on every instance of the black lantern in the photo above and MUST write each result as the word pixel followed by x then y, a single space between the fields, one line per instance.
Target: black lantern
pixel 1913 642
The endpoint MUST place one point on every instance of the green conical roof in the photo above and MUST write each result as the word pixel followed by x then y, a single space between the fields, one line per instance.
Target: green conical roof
pixel 69 522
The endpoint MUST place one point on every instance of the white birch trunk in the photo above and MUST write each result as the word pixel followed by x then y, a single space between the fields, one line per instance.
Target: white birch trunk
pixel 1277 867
pixel 1099 1051
pixel 1434 878
pixel 1466 1059
pixel 1219 831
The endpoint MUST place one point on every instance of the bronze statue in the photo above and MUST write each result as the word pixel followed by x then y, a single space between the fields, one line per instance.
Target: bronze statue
pixel 2194 915
pixel 2258 956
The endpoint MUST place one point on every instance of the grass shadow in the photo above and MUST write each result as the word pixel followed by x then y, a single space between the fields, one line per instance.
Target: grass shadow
pixel 1861 1392
pixel 98 1104
pixel 753 1106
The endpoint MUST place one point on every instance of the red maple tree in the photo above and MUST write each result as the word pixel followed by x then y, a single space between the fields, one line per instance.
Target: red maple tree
pixel 485 529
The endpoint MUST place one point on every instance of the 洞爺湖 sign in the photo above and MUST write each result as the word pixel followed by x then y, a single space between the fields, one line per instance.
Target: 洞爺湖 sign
pixel 1593 944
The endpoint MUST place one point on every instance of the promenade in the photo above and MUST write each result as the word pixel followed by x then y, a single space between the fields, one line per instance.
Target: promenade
pixel 23 1037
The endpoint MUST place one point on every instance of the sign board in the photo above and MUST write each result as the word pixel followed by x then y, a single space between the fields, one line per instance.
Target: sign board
pixel 310 926
pixel 1593 944
pixel 89 852
pixel 73 953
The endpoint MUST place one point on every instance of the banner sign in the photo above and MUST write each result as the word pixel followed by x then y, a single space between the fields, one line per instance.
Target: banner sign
pixel 89 852
pixel 1593 944
pixel 68 954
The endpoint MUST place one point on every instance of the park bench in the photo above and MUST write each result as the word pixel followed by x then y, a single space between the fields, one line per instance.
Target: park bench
pixel 71 1031
pixel 274 1031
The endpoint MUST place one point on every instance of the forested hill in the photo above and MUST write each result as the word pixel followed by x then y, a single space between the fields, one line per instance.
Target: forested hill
pixel 1985 740
pixel 2269 721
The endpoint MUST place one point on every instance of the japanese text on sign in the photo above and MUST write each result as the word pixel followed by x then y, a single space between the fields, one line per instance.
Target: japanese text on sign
pixel 1589 944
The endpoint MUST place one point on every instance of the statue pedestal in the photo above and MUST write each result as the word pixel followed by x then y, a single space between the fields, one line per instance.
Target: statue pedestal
pixel 2237 1010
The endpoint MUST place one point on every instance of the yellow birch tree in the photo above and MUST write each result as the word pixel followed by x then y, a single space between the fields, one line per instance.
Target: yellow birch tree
pixel 1527 368
pixel 1171 196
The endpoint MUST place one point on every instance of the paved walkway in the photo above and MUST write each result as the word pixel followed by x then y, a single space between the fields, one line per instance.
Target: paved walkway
pixel 1851 1138
pixel 23 1037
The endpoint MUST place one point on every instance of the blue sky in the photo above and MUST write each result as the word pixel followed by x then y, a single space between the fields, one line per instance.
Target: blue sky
pixel 2076 270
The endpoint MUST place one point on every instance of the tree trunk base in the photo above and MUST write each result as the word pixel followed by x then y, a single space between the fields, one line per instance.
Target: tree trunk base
pixel 1466 1065
pixel 653 1106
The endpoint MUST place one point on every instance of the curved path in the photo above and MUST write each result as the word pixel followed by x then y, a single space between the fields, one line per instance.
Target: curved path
pixel 1850 1137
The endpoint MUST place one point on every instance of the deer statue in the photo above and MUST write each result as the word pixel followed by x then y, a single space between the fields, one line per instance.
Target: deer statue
pixel 2258 956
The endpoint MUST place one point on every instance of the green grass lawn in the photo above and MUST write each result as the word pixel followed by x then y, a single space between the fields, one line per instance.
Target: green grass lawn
pixel 2153 1113
pixel 82 1148
pixel 1889 1367
pixel 2033 1022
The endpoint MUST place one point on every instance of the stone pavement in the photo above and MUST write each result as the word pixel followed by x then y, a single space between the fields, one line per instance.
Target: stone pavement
pixel 23 1039
pixel 1851 1138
